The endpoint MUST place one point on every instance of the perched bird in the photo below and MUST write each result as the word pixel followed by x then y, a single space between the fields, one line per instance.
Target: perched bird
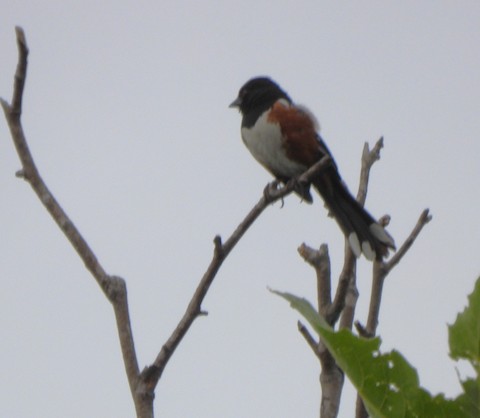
pixel 284 138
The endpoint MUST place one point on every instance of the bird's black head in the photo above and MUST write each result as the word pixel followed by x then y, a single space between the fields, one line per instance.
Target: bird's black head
pixel 257 95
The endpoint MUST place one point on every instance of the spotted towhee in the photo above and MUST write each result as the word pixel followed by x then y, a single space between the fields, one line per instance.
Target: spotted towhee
pixel 283 137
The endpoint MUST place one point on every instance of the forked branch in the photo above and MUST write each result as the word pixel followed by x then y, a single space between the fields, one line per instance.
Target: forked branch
pixel 142 385
pixel 114 287
pixel 344 303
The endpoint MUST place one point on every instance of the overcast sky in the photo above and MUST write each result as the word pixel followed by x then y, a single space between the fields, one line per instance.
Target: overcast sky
pixel 125 111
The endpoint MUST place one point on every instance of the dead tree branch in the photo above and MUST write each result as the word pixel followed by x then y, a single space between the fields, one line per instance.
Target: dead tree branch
pixel 114 287
pixel 342 306
pixel 346 289
pixel 344 303
pixel 380 271
pixel 142 385
pixel 271 194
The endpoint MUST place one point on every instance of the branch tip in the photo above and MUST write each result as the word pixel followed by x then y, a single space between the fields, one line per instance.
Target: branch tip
pixel 114 287
pixel 385 220
pixel 366 149
pixel 312 343
pixel 423 219
pixel 217 242
pixel 15 109
pixel 313 256
pixel 5 105
pixel 426 216
pixel 375 152
pixel 323 250
pixel 20 174
pixel 362 331
pixel 21 39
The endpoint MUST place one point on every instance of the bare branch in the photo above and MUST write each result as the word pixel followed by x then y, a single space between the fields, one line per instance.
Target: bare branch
pixel 345 300
pixel 141 385
pixel 117 291
pixel 346 281
pixel 331 383
pixel 30 173
pixel 368 159
pixel 320 261
pixel 351 297
pixel 361 330
pixel 331 377
pixel 312 342
pixel 21 72
pixel 382 269
pixel 378 279
pixel 271 194
pixel 347 275
pixel 113 287
pixel 424 218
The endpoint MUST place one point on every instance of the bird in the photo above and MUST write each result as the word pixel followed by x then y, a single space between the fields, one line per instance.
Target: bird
pixel 284 138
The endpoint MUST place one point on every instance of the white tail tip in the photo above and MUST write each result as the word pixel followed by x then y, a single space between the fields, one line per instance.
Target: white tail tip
pixel 383 236
pixel 368 251
pixel 355 244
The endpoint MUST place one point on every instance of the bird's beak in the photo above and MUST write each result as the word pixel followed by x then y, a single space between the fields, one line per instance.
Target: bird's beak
pixel 236 103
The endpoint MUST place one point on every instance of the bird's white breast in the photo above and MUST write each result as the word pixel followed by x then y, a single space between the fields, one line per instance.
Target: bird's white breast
pixel 264 141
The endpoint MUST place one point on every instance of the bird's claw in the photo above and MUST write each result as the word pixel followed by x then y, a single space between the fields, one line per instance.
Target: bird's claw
pixel 271 190
pixel 302 188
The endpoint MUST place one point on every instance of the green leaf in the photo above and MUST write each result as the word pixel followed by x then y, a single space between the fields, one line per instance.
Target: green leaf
pixel 464 334
pixel 464 341
pixel 470 400
pixel 387 383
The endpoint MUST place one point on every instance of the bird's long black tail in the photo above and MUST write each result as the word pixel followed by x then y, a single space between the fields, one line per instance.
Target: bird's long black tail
pixel 364 234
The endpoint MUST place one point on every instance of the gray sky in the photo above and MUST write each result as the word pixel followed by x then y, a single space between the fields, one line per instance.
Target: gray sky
pixel 126 114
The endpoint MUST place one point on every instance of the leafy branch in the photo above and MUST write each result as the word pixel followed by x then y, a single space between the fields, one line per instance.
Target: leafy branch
pixel 387 383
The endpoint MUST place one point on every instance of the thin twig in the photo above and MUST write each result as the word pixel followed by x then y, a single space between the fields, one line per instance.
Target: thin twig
pixel 320 261
pixel 347 275
pixel 346 295
pixel 361 330
pixel 351 296
pixel 346 281
pixel 21 72
pixel 380 271
pixel 271 194
pixel 425 217
pixel 141 385
pixel 369 157
pixel 113 287
pixel 347 292
pixel 311 341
